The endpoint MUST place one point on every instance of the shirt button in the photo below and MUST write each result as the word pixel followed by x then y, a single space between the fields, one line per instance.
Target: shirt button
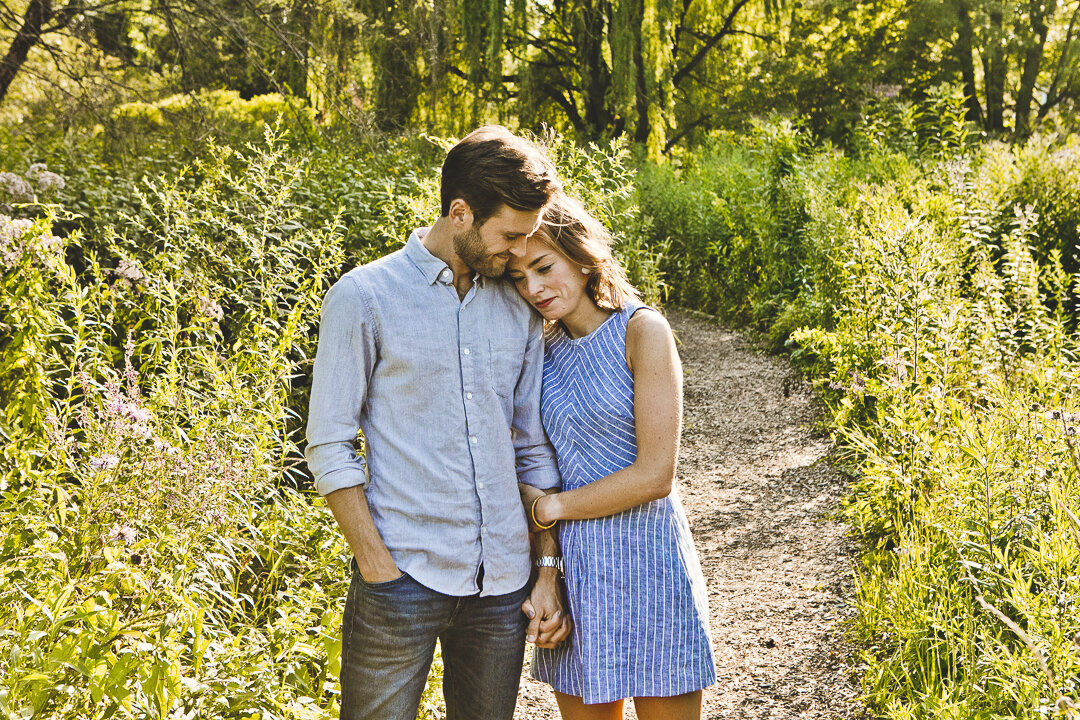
pixel 466 351
pixel 473 439
pixel 468 396
pixel 445 275
pixel 480 486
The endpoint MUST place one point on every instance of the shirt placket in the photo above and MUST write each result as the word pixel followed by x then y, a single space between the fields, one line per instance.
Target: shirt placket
pixel 473 352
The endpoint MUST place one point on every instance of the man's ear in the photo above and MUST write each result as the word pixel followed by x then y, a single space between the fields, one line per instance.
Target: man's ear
pixel 460 214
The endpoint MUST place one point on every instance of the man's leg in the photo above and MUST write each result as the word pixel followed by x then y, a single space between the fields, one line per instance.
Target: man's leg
pixel 482 654
pixel 388 640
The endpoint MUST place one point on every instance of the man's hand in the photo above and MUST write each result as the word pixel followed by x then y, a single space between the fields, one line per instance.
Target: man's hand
pixel 353 516
pixel 385 571
pixel 549 623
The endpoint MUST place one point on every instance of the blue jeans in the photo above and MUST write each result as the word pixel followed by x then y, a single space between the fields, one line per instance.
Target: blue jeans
pixel 388 641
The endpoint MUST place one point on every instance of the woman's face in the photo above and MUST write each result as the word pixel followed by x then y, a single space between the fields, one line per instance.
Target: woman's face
pixel 549 281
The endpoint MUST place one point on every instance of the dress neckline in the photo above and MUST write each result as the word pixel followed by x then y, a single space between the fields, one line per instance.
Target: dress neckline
pixel 585 338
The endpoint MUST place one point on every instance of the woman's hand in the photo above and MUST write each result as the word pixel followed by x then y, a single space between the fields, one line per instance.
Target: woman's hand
pixel 543 513
pixel 549 623
pixel 531 495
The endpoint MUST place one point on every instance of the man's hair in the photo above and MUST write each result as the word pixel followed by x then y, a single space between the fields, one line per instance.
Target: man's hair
pixel 490 167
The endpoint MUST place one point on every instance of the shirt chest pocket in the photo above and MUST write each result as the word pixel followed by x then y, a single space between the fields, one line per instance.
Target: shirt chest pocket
pixel 505 359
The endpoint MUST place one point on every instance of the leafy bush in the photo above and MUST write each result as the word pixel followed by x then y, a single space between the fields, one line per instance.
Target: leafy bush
pixel 161 552
pixel 924 284
pixel 152 561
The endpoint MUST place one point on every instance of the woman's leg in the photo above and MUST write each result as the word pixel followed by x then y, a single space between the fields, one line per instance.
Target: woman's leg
pixel 678 707
pixel 571 707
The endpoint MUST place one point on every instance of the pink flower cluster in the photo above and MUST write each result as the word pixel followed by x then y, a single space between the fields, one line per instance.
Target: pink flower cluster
pixel 17 239
pixel 20 189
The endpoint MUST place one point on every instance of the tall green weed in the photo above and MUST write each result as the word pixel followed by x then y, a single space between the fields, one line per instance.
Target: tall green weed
pixel 927 286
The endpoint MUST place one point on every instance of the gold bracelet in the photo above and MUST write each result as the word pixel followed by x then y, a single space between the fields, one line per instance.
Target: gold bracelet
pixel 532 512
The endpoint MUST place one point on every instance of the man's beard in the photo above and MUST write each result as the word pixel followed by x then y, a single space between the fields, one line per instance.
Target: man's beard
pixel 470 248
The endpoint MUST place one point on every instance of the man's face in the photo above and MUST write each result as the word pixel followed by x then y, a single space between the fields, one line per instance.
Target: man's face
pixel 487 248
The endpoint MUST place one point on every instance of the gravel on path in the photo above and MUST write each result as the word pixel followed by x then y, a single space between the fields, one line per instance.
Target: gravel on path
pixel 761 499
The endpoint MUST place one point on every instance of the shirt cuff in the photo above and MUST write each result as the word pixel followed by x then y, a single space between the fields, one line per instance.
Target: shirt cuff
pixel 339 480
pixel 541 478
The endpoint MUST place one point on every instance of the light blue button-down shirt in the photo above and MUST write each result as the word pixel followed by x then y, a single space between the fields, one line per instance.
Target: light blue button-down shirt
pixel 447 395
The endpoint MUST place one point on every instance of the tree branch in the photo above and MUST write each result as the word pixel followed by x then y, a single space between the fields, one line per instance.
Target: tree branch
pixel 700 55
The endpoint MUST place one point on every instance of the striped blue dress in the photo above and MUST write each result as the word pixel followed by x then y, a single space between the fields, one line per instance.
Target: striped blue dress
pixel 634 585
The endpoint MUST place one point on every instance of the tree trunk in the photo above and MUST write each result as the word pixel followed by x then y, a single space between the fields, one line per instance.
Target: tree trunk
pixel 1033 55
pixel 595 75
pixel 642 126
pixel 967 65
pixel 996 66
pixel 37 14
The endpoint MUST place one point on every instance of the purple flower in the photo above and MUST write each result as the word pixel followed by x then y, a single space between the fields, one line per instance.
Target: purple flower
pixel 46 181
pixel 130 271
pixel 209 308
pixel 104 462
pixel 16 187
pixel 858 384
pixel 125 534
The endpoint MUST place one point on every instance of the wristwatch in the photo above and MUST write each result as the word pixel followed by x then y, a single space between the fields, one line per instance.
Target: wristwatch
pixel 549 561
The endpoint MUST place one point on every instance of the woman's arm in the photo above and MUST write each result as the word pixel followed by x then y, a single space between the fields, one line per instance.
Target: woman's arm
pixel 654 362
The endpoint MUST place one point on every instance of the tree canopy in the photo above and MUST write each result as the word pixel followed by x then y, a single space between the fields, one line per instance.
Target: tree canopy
pixel 655 71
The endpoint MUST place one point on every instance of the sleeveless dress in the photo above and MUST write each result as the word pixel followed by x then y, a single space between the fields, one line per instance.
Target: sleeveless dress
pixel 634 585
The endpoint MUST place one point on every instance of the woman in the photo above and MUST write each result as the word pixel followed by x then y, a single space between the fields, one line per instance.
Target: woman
pixel 611 406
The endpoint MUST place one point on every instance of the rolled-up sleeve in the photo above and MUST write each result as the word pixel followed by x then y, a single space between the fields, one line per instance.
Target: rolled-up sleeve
pixel 535 458
pixel 343 363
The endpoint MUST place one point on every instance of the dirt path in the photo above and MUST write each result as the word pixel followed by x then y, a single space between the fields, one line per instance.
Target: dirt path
pixel 758 492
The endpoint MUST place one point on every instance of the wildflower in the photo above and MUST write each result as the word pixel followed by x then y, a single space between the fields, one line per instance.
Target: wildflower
pixel 46 181
pixel 1070 430
pixel 129 271
pixel 104 462
pixel 16 187
pixel 12 246
pixel 1052 414
pixel 858 384
pixel 838 387
pixel 138 414
pixel 123 533
pixel 209 308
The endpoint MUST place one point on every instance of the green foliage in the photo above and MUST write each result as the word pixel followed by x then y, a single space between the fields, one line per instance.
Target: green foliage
pixel 160 552
pixel 188 122
pixel 924 286
pixel 152 561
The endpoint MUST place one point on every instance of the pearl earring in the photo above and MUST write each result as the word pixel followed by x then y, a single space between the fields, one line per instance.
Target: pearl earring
pixel 585 271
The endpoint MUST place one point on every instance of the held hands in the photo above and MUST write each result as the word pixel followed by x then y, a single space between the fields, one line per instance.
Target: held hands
pixel 549 623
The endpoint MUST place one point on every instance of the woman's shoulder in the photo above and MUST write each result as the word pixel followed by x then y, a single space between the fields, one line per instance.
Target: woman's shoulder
pixel 647 334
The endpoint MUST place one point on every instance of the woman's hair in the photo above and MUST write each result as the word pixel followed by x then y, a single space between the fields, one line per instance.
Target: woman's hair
pixel 490 167
pixel 570 230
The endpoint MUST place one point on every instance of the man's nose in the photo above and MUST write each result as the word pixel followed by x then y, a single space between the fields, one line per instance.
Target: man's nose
pixel 518 247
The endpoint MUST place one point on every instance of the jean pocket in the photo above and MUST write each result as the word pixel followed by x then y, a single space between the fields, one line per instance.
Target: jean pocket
pixel 384 585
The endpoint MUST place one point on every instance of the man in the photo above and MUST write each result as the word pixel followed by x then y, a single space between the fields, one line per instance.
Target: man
pixel 439 362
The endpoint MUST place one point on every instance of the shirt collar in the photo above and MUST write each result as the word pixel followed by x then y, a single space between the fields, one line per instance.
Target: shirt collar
pixel 430 266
